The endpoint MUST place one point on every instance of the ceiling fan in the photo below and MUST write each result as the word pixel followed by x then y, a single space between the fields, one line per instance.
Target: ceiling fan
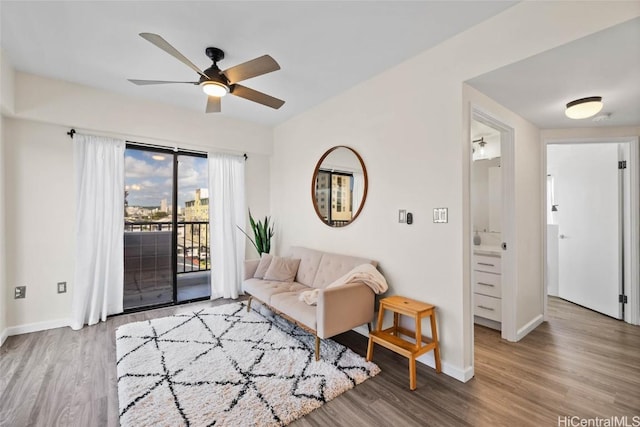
pixel 217 83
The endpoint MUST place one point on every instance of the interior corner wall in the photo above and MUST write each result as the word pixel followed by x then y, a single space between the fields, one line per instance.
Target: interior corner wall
pixel 7 74
pixel 38 158
pixel 407 124
pixel 3 264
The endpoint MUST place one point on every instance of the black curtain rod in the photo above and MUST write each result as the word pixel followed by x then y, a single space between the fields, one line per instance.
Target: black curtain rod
pixel 73 132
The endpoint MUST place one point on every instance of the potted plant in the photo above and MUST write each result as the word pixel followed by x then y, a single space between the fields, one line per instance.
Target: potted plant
pixel 262 232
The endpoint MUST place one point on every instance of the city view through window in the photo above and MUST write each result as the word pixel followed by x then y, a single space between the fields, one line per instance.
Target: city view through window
pixel 156 233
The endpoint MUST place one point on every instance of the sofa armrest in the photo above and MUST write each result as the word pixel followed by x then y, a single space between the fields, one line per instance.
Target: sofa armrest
pixel 343 308
pixel 250 267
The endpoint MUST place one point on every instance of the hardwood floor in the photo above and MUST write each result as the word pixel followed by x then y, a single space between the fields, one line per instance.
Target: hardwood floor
pixel 580 363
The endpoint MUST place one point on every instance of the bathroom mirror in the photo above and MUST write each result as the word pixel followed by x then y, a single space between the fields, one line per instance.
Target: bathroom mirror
pixel 339 186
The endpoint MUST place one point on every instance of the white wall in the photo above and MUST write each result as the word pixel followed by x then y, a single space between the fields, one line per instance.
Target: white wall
pixel 6 107
pixel 414 142
pixel 39 203
pixel 480 193
pixel 589 133
pixel 40 208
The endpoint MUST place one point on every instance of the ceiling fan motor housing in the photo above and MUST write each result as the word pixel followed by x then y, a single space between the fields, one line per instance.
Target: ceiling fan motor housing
pixel 214 54
pixel 214 73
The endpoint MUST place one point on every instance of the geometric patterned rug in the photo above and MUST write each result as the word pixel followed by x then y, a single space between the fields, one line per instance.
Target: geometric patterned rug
pixel 224 366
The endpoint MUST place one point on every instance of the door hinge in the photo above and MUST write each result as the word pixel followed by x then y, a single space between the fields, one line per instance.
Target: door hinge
pixel 622 164
pixel 622 299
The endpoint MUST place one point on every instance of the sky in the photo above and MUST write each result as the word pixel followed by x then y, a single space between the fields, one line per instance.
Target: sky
pixel 148 177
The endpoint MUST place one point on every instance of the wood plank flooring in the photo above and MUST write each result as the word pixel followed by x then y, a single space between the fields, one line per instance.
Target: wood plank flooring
pixel 580 363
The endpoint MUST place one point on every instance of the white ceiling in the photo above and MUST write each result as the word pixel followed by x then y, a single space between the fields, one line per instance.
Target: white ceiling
pixel 604 64
pixel 323 47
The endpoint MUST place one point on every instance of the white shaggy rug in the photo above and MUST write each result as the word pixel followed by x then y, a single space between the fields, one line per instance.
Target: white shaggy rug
pixel 223 366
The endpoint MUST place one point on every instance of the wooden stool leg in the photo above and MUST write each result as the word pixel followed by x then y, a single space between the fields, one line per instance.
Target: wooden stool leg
pixel 370 350
pixel 434 337
pixel 249 304
pixel 317 348
pixel 418 332
pixel 380 317
pixel 412 373
pixel 378 328
pixel 396 322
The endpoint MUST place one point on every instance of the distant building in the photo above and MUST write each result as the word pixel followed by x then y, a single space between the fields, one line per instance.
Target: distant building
pixel 196 236
pixel 333 195
pixel 197 209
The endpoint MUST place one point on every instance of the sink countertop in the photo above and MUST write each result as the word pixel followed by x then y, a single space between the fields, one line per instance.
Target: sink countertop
pixel 487 250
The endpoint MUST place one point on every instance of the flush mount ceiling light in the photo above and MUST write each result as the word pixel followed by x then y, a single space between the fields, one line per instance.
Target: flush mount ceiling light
pixel 584 108
pixel 214 88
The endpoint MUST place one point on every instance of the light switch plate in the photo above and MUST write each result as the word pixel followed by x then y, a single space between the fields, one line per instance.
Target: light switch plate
pixel 20 292
pixel 440 215
pixel 62 287
pixel 402 216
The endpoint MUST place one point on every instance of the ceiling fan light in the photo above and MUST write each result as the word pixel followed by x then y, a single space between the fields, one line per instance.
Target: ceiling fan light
pixel 215 89
pixel 584 108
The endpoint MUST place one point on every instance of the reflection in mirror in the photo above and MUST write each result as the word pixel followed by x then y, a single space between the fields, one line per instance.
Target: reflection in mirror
pixel 339 186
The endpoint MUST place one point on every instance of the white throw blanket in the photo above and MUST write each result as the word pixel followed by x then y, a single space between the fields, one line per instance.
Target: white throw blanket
pixel 365 273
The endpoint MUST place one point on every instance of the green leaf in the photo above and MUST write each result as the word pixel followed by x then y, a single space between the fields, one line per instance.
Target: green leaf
pixel 262 232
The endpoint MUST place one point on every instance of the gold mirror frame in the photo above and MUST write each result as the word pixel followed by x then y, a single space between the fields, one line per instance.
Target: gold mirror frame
pixel 338 223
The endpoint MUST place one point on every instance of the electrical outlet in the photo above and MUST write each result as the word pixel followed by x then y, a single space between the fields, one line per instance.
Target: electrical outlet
pixel 21 292
pixel 62 287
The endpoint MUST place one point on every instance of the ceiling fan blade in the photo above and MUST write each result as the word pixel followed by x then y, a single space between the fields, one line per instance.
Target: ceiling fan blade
pixel 164 45
pixel 156 82
pixel 255 96
pixel 213 104
pixel 256 67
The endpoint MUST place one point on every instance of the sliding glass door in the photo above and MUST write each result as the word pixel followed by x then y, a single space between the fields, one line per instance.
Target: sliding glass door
pixel 166 241
pixel 192 239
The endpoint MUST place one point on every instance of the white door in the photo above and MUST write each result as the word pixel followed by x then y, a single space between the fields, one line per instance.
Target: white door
pixel 586 181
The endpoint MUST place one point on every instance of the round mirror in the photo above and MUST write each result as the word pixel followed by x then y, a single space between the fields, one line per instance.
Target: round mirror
pixel 339 186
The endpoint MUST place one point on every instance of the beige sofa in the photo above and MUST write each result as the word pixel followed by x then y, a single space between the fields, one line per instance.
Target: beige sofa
pixel 338 309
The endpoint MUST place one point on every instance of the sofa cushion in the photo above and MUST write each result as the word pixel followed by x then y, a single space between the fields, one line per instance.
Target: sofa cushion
pixel 309 262
pixel 290 305
pixel 263 289
pixel 265 261
pixel 282 269
pixel 332 266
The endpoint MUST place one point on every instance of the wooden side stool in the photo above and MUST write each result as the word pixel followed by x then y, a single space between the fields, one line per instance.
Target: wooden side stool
pixel 391 337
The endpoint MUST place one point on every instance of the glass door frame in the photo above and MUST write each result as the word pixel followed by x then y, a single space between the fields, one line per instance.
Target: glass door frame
pixel 174 153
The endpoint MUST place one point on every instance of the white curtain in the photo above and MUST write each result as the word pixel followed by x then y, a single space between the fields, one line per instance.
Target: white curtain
pixel 227 211
pixel 358 190
pixel 99 272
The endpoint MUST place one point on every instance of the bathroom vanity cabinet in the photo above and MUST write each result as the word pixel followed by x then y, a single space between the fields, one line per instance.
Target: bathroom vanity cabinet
pixel 487 288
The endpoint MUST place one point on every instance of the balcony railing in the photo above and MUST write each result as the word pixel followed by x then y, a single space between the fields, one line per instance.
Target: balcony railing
pixel 192 241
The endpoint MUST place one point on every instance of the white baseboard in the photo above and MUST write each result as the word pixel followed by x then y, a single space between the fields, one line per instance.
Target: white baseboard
pixel 428 359
pixel 534 323
pixel 3 336
pixel 37 326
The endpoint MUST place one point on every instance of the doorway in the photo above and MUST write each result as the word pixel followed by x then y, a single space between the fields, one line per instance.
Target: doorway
pixel 591 235
pixel 493 264
pixel 166 252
